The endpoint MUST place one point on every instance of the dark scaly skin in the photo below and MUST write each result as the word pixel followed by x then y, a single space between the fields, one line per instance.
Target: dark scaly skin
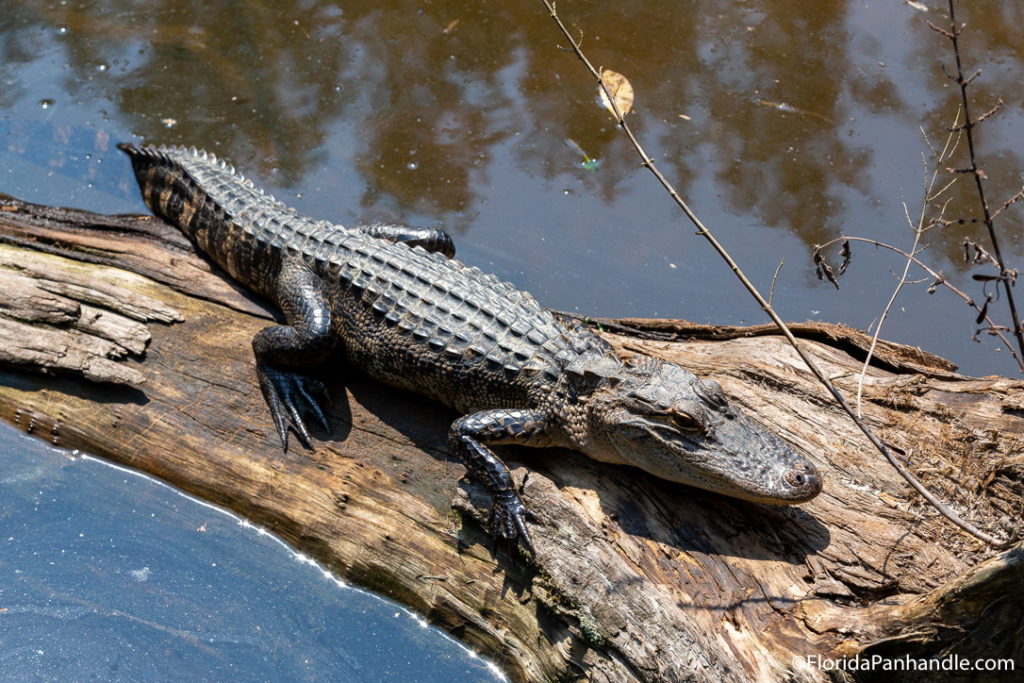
pixel 430 239
pixel 403 311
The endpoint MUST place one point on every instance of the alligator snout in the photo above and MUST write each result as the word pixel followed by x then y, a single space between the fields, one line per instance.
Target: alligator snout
pixel 804 481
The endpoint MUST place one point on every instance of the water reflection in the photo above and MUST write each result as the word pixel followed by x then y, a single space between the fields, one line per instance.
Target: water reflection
pixel 771 92
pixel 784 125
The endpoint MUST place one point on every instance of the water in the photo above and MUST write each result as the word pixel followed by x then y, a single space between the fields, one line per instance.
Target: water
pixel 784 126
pixel 108 574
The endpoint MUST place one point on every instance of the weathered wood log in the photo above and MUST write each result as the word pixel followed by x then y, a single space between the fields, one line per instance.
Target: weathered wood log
pixel 118 339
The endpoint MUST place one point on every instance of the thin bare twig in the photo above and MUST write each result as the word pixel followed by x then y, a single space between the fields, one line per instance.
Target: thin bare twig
pixel 979 176
pixel 918 229
pixel 939 279
pixel 648 163
pixel 1015 198
pixel 771 291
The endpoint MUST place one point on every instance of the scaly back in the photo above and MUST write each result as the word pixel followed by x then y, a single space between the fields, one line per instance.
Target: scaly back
pixel 390 300
pixel 242 228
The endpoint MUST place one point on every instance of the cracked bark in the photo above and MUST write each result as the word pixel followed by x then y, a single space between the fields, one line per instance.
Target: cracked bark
pixel 119 340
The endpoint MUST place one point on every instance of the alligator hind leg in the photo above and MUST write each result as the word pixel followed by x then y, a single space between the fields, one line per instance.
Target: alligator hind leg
pixel 468 436
pixel 431 239
pixel 305 341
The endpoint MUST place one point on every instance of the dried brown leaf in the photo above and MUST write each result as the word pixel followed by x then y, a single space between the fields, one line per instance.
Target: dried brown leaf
pixel 823 270
pixel 621 91
pixel 983 312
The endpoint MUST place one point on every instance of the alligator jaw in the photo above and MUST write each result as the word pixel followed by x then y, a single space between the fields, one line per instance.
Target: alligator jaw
pixel 666 421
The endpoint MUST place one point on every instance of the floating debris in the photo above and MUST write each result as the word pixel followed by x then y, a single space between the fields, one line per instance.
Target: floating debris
pixel 790 109
pixel 587 163
pixel 621 91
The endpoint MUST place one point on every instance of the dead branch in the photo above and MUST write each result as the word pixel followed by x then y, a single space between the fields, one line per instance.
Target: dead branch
pixel 648 162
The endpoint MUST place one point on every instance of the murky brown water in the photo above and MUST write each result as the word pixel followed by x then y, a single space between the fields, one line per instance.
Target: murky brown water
pixel 783 125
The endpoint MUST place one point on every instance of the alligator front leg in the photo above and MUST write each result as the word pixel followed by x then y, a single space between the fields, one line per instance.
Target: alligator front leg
pixel 305 341
pixel 468 436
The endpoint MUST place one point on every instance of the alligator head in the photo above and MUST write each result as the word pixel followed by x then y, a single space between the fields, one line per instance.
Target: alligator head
pixel 655 415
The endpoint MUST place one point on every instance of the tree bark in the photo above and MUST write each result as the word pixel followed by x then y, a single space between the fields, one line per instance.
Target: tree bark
pixel 117 338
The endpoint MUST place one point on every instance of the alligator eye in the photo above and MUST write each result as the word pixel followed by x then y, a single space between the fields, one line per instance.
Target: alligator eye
pixel 686 421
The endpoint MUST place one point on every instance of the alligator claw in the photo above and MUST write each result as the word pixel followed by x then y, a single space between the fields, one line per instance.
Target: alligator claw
pixel 289 395
pixel 508 519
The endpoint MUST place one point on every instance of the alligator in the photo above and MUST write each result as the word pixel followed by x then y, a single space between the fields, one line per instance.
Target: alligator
pixel 408 314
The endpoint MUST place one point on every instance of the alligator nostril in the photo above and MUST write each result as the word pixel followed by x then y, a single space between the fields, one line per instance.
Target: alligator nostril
pixel 804 478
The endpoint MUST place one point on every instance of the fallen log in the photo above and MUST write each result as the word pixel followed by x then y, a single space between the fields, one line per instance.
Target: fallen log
pixel 117 338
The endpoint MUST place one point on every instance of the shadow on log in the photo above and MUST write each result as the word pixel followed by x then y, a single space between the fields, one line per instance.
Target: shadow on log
pixel 118 339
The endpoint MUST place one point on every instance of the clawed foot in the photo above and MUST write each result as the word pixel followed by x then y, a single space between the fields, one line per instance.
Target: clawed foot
pixel 508 519
pixel 290 395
